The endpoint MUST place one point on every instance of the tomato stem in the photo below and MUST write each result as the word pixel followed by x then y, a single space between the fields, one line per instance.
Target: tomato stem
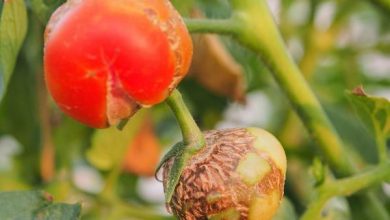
pixel 221 26
pixel 345 187
pixel 192 136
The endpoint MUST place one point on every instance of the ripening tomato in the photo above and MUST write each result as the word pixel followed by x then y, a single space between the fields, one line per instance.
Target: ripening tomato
pixel 105 59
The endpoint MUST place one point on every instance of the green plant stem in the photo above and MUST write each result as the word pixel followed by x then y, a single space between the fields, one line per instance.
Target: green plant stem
pixel 192 135
pixel 345 187
pixel 259 32
pixel 222 26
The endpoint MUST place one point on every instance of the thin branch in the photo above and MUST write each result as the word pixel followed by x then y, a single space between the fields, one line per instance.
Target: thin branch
pixel 345 187
pixel 220 26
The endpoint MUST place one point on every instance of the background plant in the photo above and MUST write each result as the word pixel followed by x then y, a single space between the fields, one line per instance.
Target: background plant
pixel 337 46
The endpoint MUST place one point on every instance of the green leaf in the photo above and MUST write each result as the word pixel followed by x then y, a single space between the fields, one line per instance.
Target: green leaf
pixel 13 28
pixel 44 8
pixel 109 145
pixel 59 212
pixel 37 205
pixel 374 111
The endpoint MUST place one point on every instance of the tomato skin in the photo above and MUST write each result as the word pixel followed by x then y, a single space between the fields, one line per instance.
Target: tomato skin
pixel 104 59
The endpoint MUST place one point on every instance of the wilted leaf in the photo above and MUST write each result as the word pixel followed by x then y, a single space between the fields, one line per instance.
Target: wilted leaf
pixel 143 151
pixel 35 205
pixel 374 111
pixel 13 28
pixel 109 145
pixel 216 69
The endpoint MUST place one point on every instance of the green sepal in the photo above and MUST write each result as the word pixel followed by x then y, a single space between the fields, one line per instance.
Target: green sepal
pixel 174 174
pixel 171 153
pixel 181 156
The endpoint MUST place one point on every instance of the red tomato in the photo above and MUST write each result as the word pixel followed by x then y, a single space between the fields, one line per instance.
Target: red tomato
pixel 105 59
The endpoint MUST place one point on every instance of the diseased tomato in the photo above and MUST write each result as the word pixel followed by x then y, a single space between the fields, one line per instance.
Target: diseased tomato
pixel 105 59
pixel 239 174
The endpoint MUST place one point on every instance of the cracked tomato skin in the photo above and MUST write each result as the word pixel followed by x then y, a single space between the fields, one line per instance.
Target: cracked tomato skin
pixel 105 59
pixel 238 175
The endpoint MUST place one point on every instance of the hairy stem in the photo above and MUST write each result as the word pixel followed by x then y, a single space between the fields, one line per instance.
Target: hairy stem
pixel 192 135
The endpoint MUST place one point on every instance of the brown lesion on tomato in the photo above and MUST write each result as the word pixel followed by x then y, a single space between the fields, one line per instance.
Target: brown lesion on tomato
pixel 119 105
pixel 210 185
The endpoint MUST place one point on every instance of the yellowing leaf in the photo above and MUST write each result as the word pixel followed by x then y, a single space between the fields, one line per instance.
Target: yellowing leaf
pixel 13 28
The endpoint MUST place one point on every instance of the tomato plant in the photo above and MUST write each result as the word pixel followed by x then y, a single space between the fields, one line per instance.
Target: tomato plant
pixel 265 126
